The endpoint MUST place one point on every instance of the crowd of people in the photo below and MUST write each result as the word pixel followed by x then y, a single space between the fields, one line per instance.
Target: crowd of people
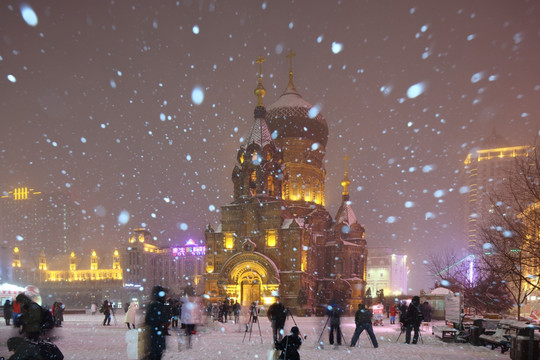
pixel 164 312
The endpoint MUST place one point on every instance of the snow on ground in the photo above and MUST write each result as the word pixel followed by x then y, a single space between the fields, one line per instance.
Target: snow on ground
pixel 84 337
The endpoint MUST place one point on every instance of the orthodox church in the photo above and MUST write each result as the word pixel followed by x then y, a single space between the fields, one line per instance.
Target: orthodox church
pixel 276 237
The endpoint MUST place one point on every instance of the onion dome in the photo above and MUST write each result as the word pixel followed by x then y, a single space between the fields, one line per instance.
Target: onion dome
pixel 292 116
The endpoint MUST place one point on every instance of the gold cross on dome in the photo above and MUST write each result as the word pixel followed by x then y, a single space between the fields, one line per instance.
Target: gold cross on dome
pixel 346 158
pixel 259 61
pixel 290 56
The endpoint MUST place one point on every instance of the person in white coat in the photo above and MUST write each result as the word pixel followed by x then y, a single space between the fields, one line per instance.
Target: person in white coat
pixel 191 316
pixel 130 315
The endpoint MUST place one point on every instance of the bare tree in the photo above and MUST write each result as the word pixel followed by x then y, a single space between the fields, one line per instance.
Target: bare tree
pixel 510 228
pixel 483 291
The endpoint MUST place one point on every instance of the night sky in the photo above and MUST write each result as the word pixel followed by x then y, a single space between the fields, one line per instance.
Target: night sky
pixel 103 99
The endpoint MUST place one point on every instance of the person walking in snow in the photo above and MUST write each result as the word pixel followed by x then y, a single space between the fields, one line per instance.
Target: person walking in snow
pixel 93 308
pixel 8 311
pixel 131 313
pixel 277 314
pixel 191 316
pixel 156 319
pixel 393 313
pixel 106 309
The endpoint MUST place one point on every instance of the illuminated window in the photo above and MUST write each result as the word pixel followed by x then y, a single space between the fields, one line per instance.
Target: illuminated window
pixel 271 238
pixel 270 182
pixel 229 240
pixel 254 176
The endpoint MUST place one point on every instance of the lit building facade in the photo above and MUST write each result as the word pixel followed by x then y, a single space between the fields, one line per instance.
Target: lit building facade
pixel 119 276
pixel 484 169
pixel 176 268
pixel 276 237
pixel 77 281
pixel 36 221
pixel 386 271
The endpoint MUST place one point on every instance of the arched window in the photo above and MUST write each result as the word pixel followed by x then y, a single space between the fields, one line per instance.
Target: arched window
pixel 270 185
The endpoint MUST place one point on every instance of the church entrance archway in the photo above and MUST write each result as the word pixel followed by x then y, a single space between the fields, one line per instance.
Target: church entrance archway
pixel 250 288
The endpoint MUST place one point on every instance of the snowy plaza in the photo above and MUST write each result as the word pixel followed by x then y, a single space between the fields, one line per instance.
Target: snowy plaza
pixel 84 337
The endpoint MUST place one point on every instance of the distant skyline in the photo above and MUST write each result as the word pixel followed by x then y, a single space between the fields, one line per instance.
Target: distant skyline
pixel 138 108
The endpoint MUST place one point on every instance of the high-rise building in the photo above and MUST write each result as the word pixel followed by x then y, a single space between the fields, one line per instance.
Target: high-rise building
pixel 276 237
pixel 485 168
pixel 35 221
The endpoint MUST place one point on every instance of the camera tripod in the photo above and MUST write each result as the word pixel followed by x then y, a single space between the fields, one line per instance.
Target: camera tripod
pixel 404 329
pixel 249 326
pixel 338 332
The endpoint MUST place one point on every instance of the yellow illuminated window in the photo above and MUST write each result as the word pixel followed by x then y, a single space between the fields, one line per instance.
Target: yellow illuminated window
pixel 254 176
pixel 271 238
pixel 229 240
pixel 271 189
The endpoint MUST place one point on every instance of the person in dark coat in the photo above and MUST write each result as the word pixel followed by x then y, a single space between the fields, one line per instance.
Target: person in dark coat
pixel 31 319
pixel 236 311
pixel 362 319
pixel 23 349
pixel 413 319
pixel 290 345
pixel 107 312
pixel 225 310
pixel 402 307
pixel 156 319
pixel 277 314
pixel 8 311
pixel 334 313
pixel 426 311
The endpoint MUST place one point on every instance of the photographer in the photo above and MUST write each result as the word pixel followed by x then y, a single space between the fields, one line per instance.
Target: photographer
pixel 290 345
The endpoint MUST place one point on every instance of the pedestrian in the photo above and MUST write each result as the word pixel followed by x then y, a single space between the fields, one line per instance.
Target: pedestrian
pixel 290 345
pixel 191 316
pixel 93 308
pixel 362 319
pixel 106 310
pixel 156 319
pixel 236 311
pixel 30 319
pixel 16 309
pixel 225 309
pixel 393 313
pixel 413 319
pixel 130 316
pixel 426 311
pixel 58 313
pixel 175 313
pixel 334 314
pixel 402 307
pixel 277 314
pixel 8 311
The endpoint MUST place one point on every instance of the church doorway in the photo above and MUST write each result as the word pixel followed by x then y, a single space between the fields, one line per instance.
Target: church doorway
pixel 250 288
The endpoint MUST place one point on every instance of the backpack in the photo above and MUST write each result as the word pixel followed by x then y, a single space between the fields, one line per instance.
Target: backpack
pixel 47 321
pixel 50 351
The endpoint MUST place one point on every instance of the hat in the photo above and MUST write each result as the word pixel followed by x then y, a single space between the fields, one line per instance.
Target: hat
pixel 295 330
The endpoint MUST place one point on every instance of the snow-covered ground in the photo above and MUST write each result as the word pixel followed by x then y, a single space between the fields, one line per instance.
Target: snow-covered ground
pixel 83 337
